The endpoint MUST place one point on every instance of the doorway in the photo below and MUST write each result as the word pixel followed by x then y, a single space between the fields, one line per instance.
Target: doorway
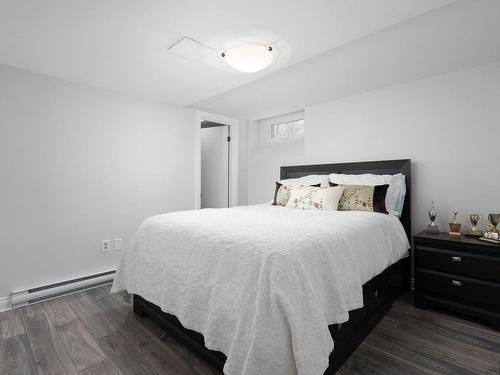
pixel 232 126
pixel 215 141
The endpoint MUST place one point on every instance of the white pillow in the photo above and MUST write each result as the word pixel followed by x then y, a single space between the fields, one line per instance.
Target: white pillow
pixel 395 182
pixel 315 198
pixel 312 179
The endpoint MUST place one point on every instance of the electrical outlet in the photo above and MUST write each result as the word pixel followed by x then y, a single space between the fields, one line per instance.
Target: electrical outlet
pixel 105 245
pixel 118 244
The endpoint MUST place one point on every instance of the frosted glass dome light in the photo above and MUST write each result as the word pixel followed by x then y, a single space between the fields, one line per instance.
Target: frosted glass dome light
pixel 249 57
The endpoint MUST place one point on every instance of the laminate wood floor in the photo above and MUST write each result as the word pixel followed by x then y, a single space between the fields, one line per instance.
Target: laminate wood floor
pixel 93 332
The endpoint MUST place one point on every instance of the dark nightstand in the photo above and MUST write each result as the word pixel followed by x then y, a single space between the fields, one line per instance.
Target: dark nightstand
pixel 461 274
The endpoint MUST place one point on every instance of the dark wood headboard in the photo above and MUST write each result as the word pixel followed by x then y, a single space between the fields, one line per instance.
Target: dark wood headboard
pixel 375 167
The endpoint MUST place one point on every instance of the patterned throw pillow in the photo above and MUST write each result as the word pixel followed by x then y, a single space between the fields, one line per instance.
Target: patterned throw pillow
pixel 315 198
pixel 363 198
pixel 282 194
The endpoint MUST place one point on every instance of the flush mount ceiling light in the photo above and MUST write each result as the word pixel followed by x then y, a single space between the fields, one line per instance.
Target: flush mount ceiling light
pixel 249 57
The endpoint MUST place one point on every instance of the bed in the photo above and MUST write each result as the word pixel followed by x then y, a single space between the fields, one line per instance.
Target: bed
pixel 266 318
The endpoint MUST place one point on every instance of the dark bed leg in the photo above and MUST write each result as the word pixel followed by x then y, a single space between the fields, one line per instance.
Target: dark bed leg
pixel 495 324
pixel 419 304
pixel 138 308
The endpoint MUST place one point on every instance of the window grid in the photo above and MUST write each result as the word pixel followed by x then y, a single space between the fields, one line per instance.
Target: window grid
pixel 288 130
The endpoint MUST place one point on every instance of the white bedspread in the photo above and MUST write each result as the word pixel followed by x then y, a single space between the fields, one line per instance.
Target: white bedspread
pixel 261 283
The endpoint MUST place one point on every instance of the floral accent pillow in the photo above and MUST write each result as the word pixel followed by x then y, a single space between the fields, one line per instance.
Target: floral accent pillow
pixel 363 198
pixel 282 194
pixel 315 198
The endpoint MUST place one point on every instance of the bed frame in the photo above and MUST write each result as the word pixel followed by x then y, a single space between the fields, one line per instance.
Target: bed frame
pixel 378 294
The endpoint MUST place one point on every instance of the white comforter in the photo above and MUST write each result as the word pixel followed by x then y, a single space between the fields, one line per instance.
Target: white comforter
pixel 261 283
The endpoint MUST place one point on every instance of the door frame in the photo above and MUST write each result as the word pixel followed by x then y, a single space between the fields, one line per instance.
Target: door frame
pixel 233 155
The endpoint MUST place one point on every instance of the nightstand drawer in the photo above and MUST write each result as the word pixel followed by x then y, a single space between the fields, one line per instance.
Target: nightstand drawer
pixel 458 263
pixel 458 288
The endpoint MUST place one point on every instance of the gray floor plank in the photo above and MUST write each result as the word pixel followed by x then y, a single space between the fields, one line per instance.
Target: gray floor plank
pixel 100 334
pixel 448 350
pixel 428 356
pixel 446 321
pixel 102 368
pixel 120 313
pixel 389 364
pixel 454 344
pixel 10 324
pixel 443 318
pixel 59 311
pixel 361 365
pixel 49 353
pixel 91 316
pixel 125 358
pixel 81 347
pixel 160 356
pixel 16 357
pixel 181 350
pixel 106 300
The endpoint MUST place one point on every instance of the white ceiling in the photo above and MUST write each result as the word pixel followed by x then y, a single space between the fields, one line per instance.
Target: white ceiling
pixel 458 36
pixel 121 45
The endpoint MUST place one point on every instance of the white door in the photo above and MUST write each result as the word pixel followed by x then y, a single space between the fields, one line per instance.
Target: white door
pixel 214 167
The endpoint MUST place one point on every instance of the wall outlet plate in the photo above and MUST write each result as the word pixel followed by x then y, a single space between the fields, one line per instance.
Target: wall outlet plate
pixel 105 246
pixel 118 244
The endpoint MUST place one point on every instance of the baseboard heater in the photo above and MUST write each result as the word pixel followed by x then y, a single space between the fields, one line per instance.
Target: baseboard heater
pixel 44 293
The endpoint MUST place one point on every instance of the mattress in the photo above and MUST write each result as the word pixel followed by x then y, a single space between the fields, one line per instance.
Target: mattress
pixel 261 283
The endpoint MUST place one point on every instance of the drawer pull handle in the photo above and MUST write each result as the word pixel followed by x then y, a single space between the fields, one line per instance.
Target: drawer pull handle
pixel 456 283
pixel 456 259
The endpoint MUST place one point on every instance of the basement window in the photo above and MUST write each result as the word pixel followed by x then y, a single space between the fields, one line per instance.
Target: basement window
pixel 283 128
pixel 285 131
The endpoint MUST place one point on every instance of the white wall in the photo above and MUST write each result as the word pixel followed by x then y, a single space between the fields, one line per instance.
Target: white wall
pixel 79 165
pixel 449 125
pixel 265 160
pixel 242 163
